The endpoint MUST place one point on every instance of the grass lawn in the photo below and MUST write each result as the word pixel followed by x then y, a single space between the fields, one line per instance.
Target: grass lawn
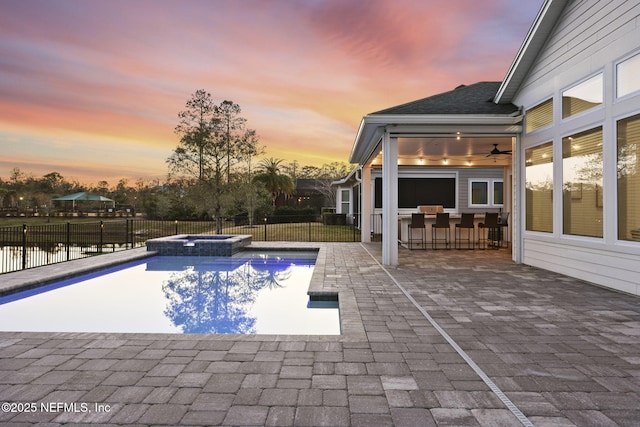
pixel 115 229
pixel 297 232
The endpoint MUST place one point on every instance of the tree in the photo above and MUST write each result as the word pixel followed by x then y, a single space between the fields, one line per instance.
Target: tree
pixel 195 129
pixel 212 141
pixel 230 126
pixel 250 196
pixel 274 181
pixel 324 176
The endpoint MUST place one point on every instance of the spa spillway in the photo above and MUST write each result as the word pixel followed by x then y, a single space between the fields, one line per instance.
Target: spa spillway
pixel 199 245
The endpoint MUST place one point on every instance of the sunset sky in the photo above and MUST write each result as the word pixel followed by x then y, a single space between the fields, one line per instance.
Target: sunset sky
pixel 92 89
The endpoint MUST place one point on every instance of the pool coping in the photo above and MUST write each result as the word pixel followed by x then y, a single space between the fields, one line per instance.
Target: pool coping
pixel 352 327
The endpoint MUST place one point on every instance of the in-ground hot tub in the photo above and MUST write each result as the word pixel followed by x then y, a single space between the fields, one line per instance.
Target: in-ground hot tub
pixel 199 244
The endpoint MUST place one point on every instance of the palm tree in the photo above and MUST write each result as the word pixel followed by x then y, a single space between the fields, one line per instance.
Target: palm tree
pixel 274 181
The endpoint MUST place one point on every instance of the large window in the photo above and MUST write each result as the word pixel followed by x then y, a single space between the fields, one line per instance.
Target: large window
pixel 629 178
pixel 586 95
pixel 539 188
pixel 582 183
pixel 627 76
pixel 485 193
pixel 539 116
pixel 414 192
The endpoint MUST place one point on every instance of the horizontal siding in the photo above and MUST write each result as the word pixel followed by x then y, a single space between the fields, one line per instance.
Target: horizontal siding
pixel 611 269
pixel 586 29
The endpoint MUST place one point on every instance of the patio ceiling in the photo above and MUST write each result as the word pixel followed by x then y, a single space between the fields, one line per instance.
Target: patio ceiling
pixel 450 151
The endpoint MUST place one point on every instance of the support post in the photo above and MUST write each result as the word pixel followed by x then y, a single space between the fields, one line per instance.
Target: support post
pixel 365 204
pixel 389 199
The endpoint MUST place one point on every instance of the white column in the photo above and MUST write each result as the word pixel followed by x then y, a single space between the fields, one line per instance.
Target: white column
pixel 516 220
pixel 389 200
pixel 365 204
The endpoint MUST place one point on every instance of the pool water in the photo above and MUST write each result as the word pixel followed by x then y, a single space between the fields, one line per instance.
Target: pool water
pixel 249 293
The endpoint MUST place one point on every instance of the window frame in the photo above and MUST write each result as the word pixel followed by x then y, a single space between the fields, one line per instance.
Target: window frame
pixel 490 193
pixel 344 202
pixel 616 122
pixel 578 189
pixel 550 146
pixel 616 78
pixel 539 104
pixel 575 85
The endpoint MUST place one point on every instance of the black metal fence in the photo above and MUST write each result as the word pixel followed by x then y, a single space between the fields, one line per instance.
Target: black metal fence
pixel 27 246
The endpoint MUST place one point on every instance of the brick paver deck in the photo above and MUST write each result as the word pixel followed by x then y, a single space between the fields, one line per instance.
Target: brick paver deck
pixel 463 338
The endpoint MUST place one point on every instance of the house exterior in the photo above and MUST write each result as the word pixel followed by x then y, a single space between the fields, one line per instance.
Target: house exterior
pixel 556 144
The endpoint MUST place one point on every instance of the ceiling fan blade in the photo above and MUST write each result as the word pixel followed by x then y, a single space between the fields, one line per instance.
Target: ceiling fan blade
pixel 496 151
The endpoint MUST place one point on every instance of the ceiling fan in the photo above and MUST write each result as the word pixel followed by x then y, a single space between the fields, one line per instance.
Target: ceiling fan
pixel 495 151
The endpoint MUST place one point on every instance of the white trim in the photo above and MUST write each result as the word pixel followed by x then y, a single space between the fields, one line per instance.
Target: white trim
pixel 599 107
pixel 617 98
pixel 490 193
pixel 614 210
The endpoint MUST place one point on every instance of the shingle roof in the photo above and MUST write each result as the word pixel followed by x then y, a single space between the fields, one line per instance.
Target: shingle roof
pixel 473 99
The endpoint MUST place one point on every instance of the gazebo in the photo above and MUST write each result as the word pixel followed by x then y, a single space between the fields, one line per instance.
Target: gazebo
pixel 84 197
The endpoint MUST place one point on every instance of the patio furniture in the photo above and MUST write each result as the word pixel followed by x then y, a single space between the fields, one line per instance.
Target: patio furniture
pixel 493 233
pixel 466 223
pixel 417 222
pixel 442 222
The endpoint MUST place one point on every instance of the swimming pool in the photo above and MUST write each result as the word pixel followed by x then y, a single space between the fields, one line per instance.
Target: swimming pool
pixel 248 293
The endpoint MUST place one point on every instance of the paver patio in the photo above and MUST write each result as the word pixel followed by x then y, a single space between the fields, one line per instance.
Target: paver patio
pixel 463 338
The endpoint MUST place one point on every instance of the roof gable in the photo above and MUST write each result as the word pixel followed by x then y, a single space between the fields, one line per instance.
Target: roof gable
pixel 473 99
pixel 533 43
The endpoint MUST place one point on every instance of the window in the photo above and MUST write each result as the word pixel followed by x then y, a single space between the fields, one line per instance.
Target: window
pixel 586 95
pixel 627 73
pixel 629 178
pixel 413 192
pixel 479 193
pixel 498 193
pixel 485 193
pixel 539 188
pixel 582 183
pixel 539 116
pixel 344 201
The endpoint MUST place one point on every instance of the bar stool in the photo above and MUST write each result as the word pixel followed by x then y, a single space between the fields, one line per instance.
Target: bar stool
pixel 493 231
pixel 442 222
pixel 503 222
pixel 417 222
pixel 466 222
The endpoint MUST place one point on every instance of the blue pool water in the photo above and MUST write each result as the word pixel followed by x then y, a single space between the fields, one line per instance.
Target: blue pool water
pixel 249 293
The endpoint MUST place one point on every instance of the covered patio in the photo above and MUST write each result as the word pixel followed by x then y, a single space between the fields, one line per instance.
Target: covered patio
pixel 461 136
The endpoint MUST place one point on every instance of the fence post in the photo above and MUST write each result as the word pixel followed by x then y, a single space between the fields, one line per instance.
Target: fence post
pixel 24 246
pixel 126 233
pixel 101 237
pixel 68 240
pixel 265 228
pixel 353 226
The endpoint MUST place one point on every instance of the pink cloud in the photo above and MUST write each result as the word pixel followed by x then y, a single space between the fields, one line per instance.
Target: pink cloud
pixel 304 72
